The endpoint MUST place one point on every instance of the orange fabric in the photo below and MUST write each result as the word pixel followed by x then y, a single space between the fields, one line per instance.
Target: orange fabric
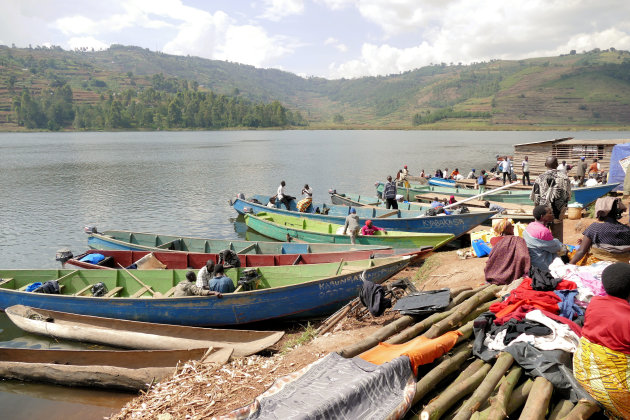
pixel 420 350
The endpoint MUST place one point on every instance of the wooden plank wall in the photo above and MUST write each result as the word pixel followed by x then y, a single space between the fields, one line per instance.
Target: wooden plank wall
pixel 538 153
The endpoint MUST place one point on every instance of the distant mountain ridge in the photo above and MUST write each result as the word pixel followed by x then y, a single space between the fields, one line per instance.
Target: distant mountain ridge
pixel 576 90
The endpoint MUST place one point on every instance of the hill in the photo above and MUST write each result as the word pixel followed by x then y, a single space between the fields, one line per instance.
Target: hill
pixel 586 90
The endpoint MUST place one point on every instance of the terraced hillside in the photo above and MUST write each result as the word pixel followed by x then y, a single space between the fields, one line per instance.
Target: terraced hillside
pixel 590 89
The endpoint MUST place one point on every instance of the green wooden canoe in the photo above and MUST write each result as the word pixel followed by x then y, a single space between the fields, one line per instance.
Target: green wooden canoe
pixel 279 226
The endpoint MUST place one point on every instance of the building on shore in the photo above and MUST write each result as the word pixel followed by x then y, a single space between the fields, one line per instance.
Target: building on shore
pixel 568 149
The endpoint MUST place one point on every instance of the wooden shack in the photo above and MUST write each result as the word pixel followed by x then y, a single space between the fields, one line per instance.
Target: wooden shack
pixel 568 149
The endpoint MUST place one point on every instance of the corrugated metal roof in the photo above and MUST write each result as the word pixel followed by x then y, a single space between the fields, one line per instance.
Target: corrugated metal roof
pixel 573 141
pixel 543 141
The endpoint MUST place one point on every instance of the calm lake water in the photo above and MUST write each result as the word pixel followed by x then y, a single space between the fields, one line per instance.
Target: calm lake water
pixel 54 184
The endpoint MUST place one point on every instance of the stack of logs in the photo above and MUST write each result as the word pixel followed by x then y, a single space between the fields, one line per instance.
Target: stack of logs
pixel 494 391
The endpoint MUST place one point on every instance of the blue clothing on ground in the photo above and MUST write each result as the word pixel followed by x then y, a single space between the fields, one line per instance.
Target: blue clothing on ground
pixel 222 284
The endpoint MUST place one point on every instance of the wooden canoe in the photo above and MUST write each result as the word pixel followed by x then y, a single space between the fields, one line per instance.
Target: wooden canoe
pixel 282 292
pixel 277 226
pixel 195 260
pixel 130 370
pixel 391 220
pixel 137 335
pixel 142 241
pixel 582 195
pixel 517 210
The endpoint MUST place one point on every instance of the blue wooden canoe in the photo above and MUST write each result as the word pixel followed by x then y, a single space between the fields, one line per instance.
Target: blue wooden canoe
pixel 582 195
pixel 401 220
pixel 441 182
pixel 284 292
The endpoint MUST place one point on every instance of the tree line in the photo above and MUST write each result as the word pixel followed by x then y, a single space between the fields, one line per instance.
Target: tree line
pixel 173 105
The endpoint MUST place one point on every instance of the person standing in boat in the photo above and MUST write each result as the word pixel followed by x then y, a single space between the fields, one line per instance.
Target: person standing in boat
pixel 581 170
pixel 482 180
pixel 352 226
pixel 220 282
pixel 505 169
pixel 283 197
pixel 306 202
pixel 189 288
pixel 525 168
pixel 405 177
pixel 205 275
pixel 553 189
pixel 389 194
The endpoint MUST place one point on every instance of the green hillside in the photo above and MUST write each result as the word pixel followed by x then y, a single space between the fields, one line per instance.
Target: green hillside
pixel 587 90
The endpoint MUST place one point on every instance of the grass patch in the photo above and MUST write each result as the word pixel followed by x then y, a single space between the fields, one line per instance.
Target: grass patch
pixel 425 269
pixel 300 338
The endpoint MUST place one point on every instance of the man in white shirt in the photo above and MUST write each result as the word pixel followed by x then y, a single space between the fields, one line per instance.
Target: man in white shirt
pixel 283 197
pixel 205 275
pixel 505 169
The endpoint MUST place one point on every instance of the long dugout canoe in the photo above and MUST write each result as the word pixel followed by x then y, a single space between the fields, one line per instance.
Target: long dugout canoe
pixel 129 370
pixel 196 260
pixel 391 220
pixel 143 241
pixel 278 226
pixel 583 195
pixel 282 292
pixel 137 335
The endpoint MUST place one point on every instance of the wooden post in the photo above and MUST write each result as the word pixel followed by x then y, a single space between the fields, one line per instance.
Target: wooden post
pixel 498 407
pixel 561 409
pixel 583 410
pixel 377 337
pixel 484 390
pixel 538 401
pixel 455 392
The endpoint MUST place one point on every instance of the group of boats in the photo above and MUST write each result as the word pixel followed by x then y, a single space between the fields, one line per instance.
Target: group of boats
pixel 312 273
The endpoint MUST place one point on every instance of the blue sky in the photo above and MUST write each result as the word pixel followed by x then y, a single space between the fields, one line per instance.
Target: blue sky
pixel 328 38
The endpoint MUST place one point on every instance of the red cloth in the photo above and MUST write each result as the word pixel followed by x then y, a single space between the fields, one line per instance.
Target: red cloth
pixel 495 239
pixel 525 295
pixel 521 311
pixel 607 323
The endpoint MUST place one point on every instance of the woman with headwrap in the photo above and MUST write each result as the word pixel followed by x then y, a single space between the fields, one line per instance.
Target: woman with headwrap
pixel 369 228
pixel 509 259
pixel 609 240
pixel 601 363
pixel 306 202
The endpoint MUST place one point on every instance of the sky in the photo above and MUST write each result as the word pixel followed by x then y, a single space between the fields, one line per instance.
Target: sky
pixel 325 38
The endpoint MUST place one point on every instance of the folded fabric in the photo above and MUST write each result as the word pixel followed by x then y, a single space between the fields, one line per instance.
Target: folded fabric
pixel 523 310
pixel 560 337
pixel 567 306
pixel 420 350
pixel 525 295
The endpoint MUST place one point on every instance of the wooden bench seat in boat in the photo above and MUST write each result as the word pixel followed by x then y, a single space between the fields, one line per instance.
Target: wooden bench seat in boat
pixel 113 292
pixel 140 292
pixel 85 289
pixel 170 292
pixel 5 282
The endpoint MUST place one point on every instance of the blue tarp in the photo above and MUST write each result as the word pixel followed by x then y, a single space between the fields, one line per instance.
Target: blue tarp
pixel 616 173
pixel 93 258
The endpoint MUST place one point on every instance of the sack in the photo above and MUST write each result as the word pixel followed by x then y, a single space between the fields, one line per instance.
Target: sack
pixel 50 287
pixel 481 180
pixel 99 289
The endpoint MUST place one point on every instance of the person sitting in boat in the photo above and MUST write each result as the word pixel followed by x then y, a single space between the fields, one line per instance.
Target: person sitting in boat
pixel 306 202
pixel 452 200
pixel 594 169
pixel 601 363
pixel 494 207
pixel 438 173
pixel 283 197
pixel 509 258
pixel 422 174
pixel 189 288
pixel 454 174
pixel 205 275
pixel 220 282
pixel 472 174
pixel 436 203
pixel 272 202
pixel 351 226
pixel 369 229
pixel 609 240
pixel 542 246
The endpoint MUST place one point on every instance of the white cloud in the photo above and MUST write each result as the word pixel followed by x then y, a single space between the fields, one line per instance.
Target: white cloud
pixel 335 43
pixel 460 31
pixel 251 45
pixel 276 10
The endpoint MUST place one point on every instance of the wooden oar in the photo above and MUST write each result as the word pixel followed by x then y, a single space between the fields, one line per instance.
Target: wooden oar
pixel 391 213
pixel 68 275
pixel 155 294
pixel 480 195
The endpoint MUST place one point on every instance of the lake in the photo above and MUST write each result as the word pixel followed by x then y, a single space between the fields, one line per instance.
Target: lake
pixel 54 184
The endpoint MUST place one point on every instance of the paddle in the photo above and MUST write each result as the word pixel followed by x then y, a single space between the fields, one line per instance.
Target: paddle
pixel 391 213
pixel 481 195
pixel 155 294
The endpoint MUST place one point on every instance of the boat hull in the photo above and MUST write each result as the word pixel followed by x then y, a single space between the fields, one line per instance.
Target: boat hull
pixel 457 224
pixel 295 301
pixel 410 241
pixel 583 195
